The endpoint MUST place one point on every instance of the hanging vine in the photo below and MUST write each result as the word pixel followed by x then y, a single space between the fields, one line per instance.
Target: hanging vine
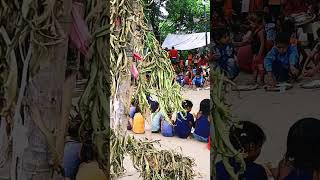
pixel 129 28
pixel 130 34
pixel 221 147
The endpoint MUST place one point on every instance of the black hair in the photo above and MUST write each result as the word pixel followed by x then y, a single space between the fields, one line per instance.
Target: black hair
pixel 303 144
pixel 236 27
pixel 283 38
pixel 187 104
pixel 205 107
pixel 134 102
pixel 73 129
pixel 87 152
pixel 288 26
pixel 249 133
pixel 172 47
pixel 155 107
pixel 220 33
pixel 148 75
pixel 268 18
pixel 138 109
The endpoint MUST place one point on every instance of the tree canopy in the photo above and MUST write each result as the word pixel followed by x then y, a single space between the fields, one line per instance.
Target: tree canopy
pixel 177 16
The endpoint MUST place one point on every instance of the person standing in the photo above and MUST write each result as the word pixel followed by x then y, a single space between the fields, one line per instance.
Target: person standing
pixel 173 55
pixel 258 47
pixel 190 58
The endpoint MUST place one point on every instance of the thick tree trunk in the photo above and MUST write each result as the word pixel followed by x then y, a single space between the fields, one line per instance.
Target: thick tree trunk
pixel 44 93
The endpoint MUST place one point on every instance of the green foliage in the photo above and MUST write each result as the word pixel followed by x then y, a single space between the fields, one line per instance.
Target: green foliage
pixel 182 12
pixel 180 18
pixel 166 27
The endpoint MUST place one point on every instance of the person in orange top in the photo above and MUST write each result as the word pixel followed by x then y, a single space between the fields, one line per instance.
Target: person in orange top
pixel 196 60
pixel 203 61
pixel 181 63
pixel 256 5
pixel 138 122
pixel 173 55
pixel 228 10
pixel 190 58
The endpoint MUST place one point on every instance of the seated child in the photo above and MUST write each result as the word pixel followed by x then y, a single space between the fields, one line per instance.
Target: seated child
pixel 180 78
pixel 189 58
pixel 202 124
pixel 138 122
pixel 181 63
pixel 203 61
pixel 302 160
pixel 194 70
pixel 131 113
pixel 224 54
pixel 155 119
pixel 198 81
pixel 166 127
pixel 196 61
pixel 249 139
pixel 282 61
pixel 183 126
pixel 151 102
pixel 187 78
pixel 315 57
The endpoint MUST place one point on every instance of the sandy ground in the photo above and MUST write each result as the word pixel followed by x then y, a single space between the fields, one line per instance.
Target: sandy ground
pixel 275 112
pixel 189 147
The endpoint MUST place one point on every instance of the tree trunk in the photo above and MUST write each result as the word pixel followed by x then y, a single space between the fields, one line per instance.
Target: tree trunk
pixel 44 93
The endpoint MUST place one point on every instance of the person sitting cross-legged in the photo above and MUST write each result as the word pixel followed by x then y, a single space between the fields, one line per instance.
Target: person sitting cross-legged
pixel 281 63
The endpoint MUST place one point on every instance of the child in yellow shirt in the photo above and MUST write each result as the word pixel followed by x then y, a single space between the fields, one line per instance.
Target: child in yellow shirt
pixel 138 122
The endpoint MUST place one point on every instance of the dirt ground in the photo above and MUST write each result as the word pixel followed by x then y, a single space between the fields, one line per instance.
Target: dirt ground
pixel 188 147
pixel 275 112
